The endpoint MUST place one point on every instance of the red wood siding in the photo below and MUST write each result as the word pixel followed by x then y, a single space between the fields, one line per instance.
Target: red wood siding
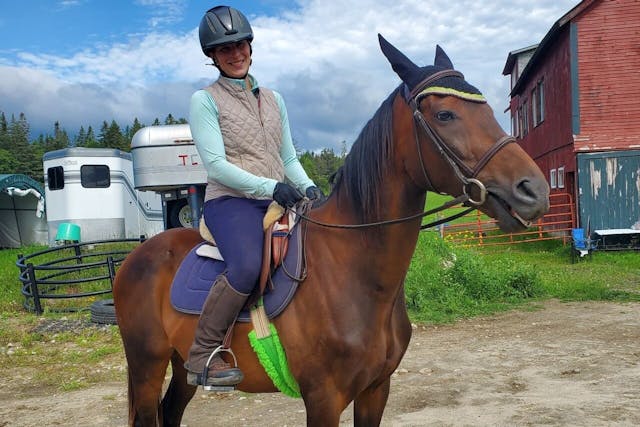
pixel 555 131
pixel 550 143
pixel 609 76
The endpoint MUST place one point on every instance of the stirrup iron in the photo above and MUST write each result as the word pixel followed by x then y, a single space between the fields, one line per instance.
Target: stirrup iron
pixel 205 371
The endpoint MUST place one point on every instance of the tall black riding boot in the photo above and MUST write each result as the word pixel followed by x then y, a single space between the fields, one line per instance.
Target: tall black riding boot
pixel 219 312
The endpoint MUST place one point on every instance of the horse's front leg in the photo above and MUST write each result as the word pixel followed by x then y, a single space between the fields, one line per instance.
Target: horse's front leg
pixel 324 405
pixel 369 405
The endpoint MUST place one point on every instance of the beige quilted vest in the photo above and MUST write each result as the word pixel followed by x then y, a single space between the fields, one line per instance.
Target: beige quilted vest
pixel 251 131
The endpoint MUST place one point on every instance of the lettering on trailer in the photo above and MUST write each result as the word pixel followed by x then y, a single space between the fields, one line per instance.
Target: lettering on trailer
pixel 188 159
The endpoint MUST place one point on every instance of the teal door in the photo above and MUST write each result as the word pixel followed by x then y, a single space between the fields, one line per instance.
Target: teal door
pixel 608 189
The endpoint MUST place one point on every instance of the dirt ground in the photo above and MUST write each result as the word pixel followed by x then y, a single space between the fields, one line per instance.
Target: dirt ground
pixel 565 364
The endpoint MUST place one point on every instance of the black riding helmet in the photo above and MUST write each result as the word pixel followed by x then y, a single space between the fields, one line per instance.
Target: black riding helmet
pixel 222 25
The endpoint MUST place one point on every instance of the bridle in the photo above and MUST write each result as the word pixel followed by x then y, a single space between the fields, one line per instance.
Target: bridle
pixel 464 173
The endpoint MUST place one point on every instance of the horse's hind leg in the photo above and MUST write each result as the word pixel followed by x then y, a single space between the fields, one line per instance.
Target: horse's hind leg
pixel 146 377
pixel 178 394
pixel 369 405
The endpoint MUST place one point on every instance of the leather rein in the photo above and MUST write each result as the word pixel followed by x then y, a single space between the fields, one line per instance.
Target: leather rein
pixel 464 173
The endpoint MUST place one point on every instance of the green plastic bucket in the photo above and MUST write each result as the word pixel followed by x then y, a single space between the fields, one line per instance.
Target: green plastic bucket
pixel 68 232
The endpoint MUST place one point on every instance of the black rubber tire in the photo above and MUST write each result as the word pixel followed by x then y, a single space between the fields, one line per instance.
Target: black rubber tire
pixel 103 312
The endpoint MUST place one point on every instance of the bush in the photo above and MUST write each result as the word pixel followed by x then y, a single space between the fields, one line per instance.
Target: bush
pixel 444 283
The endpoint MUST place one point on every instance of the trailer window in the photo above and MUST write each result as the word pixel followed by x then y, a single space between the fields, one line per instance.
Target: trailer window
pixel 95 176
pixel 55 178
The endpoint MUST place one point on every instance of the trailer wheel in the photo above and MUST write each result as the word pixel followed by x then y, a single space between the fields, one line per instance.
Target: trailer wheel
pixel 180 214
pixel 103 312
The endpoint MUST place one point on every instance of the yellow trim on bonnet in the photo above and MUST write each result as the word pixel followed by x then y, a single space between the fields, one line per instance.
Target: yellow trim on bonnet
pixel 447 91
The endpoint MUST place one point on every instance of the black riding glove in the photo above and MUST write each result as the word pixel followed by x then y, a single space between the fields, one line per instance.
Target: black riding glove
pixel 314 193
pixel 286 195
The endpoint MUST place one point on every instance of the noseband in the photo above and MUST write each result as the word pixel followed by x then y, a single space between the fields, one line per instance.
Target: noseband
pixel 465 174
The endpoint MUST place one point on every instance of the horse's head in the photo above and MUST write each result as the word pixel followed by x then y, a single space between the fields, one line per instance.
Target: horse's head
pixel 452 128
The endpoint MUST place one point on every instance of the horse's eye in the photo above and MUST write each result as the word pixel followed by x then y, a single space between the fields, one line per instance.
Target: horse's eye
pixel 445 116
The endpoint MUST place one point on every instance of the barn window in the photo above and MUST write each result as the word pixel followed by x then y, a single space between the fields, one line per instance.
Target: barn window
pixel 534 106
pixel 55 178
pixel 523 121
pixel 553 182
pixel 95 176
pixel 537 103
pixel 524 118
pixel 561 177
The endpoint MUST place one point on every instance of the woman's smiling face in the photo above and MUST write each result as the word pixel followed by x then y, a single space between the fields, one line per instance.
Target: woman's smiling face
pixel 233 59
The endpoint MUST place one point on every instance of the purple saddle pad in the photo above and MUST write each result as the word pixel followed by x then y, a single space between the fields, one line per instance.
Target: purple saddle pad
pixel 196 275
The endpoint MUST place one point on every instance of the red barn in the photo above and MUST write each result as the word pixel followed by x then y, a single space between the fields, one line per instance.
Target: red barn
pixel 575 108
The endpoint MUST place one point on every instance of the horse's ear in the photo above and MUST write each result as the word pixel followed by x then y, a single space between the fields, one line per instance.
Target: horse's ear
pixel 442 60
pixel 402 65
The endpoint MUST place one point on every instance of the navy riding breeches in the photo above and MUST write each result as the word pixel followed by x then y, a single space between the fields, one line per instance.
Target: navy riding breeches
pixel 236 226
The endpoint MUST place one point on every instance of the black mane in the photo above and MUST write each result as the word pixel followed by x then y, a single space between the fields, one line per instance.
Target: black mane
pixel 365 165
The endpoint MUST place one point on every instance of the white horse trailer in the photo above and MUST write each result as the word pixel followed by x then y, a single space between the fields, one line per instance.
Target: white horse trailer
pixel 93 188
pixel 165 160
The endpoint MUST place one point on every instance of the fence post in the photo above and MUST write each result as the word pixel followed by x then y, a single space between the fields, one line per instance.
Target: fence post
pixel 34 288
pixel 480 236
pixel 112 270
pixel 76 249
pixel 540 228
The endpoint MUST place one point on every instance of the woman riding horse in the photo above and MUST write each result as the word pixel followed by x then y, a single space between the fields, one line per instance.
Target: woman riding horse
pixel 241 131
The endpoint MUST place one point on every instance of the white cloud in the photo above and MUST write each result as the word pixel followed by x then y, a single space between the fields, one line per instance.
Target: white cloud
pixel 70 3
pixel 164 12
pixel 323 57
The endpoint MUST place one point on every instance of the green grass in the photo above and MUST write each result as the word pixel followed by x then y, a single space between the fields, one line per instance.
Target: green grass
pixel 446 282
pixel 10 296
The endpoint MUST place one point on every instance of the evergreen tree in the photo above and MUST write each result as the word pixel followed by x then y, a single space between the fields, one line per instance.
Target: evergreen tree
pixel 4 136
pixel 135 127
pixel 18 138
pixel 103 136
pixel 81 138
pixel 3 123
pixel 170 120
pixel 60 137
pixel 327 162
pixel 91 138
pixel 8 162
pixel 113 137
pixel 156 122
pixel 130 131
pixel 37 149
pixel 309 165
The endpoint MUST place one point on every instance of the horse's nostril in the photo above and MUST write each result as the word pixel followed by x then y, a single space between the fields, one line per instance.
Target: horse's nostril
pixel 525 189
pixel 533 195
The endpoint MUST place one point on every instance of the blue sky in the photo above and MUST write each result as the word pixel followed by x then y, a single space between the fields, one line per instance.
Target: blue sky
pixel 81 62
pixel 67 26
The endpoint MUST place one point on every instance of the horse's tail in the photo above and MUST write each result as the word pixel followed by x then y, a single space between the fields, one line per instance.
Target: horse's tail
pixel 130 397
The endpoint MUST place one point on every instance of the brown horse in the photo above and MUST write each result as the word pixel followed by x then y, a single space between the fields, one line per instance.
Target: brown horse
pixel 346 329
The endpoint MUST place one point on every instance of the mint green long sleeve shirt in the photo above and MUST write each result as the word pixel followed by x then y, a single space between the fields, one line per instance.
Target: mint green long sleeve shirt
pixel 206 133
